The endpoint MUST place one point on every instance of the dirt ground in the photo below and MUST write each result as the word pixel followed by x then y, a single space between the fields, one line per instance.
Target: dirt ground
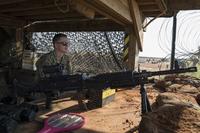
pixel 123 115
pixel 117 117
pixel 120 116
pixel 177 110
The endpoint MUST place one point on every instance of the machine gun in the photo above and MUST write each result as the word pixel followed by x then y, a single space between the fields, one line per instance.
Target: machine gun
pixel 114 80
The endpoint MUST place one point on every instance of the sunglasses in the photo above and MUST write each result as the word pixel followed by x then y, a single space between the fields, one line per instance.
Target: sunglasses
pixel 63 43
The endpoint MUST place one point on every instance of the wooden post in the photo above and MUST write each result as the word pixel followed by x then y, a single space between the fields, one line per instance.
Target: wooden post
pixel 136 21
pixel 133 50
pixel 19 41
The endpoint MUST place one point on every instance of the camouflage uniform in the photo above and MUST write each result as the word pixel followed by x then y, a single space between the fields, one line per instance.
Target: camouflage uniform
pixel 50 59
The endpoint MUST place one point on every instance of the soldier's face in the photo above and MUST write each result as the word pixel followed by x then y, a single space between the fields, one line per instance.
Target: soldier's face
pixel 62 45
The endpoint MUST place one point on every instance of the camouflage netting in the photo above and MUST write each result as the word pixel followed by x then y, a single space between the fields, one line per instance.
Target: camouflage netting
pixel 90 51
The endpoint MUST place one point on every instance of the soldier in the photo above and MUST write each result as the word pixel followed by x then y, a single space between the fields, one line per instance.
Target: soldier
pixel 57 56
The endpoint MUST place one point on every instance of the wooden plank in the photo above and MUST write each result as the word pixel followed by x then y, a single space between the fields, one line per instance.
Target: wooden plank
pixel 24 6
pixel 124 3
pixel 4 2
pixel 146 8
pixel 10 20
pixel 183 4
pixel 8 24
pixel 112 9
pixel 144 3
pixel 137 21
pixel 154 14
pixel 8 17
pixel 53 16
pixel 56 16
pixel 36 12
pixel 162 5
pixel 86 25
pixel 155 6
pixel 116 6
pixel 82 8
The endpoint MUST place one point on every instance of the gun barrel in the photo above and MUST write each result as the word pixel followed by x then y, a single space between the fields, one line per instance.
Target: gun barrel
pixel 184 70
pixel 129 78
pixel 113 80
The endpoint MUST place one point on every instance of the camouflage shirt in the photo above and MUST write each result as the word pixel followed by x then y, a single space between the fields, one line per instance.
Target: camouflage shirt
pixel 50 59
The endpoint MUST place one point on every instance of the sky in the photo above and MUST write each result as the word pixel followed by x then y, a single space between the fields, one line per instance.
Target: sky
pixel 158 35
pixel 150 43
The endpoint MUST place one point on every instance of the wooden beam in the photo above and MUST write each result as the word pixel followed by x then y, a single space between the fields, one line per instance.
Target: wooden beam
pixel 155 14
pixel 162 5
pixel 146 8
pixel 24 6
pixel 113 9
pixel 36 12
pixel 35 8
pixel 5 23
pixel 137 21
pixel 76 25
pixel 4 2
pixel 156 6
pixel 183 4
pixel 124 3
pixel 144 3
pixel 53 16
pixel 10 20
pixel 82 8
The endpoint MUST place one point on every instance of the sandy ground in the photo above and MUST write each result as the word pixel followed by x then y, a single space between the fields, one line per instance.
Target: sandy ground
pixel 120 116
pixel 154 67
